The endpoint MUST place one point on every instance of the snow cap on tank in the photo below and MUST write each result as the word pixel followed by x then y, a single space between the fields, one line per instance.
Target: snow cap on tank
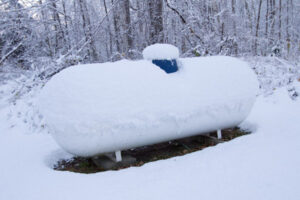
pixel 163 56
pixel 161 52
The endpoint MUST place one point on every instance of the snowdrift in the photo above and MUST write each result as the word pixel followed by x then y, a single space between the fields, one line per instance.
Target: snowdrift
pixel 99 108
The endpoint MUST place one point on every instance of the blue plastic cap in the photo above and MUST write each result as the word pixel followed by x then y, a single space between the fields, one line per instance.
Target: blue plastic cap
pixel 169 66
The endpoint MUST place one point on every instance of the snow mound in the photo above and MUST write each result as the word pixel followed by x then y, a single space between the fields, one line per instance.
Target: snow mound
pixel 161 51
pixel 99 108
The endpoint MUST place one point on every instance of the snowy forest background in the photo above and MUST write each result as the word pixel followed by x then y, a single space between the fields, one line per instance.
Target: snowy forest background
pixel 38 38
pixel 35 32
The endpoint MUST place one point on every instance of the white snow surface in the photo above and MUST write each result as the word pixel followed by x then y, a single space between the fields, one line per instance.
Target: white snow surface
pixel 100 108
pixel 264 165
pixel 161 51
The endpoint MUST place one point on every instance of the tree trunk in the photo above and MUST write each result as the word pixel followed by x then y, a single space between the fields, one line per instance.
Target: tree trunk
pixel 116 20
pixel 67 36
pixel 59 34
pixel 109 29
pixel 257 26
pixel 233 8
pixel 127 27
pixel 88 30
pixel 47 31
pixel 287 27
pixel 273 20
pixel 267 19
pixel 155 8
pixel 279 20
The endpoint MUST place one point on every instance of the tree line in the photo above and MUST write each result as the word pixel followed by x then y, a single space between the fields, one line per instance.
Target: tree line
pixel 87 31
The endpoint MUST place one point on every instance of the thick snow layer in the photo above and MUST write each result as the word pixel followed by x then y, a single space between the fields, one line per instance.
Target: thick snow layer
pixel 161 51
pixel 99 108
pixel 264 165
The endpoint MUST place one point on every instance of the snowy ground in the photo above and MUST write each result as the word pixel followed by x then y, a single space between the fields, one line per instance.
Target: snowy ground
pixel 264 165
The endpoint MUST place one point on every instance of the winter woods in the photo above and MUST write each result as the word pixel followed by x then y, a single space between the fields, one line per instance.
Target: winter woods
pixel 107 30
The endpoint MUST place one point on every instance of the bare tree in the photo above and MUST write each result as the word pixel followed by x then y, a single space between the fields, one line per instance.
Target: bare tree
pixel 155 8
pixel 86 23
pixel 127 26
pixel 83 29
pixel 257 26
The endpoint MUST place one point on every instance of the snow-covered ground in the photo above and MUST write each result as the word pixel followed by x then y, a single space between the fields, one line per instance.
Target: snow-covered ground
pixel 263 165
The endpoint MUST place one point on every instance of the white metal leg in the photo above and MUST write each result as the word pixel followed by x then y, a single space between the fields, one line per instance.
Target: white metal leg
pixel 118 156
pixel 219 134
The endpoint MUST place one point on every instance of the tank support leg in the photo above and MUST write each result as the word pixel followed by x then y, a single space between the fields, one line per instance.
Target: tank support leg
pixel 118 156
pixel 219 134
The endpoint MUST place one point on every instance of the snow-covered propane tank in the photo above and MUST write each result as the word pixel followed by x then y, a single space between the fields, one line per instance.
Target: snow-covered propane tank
pixel 98 108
